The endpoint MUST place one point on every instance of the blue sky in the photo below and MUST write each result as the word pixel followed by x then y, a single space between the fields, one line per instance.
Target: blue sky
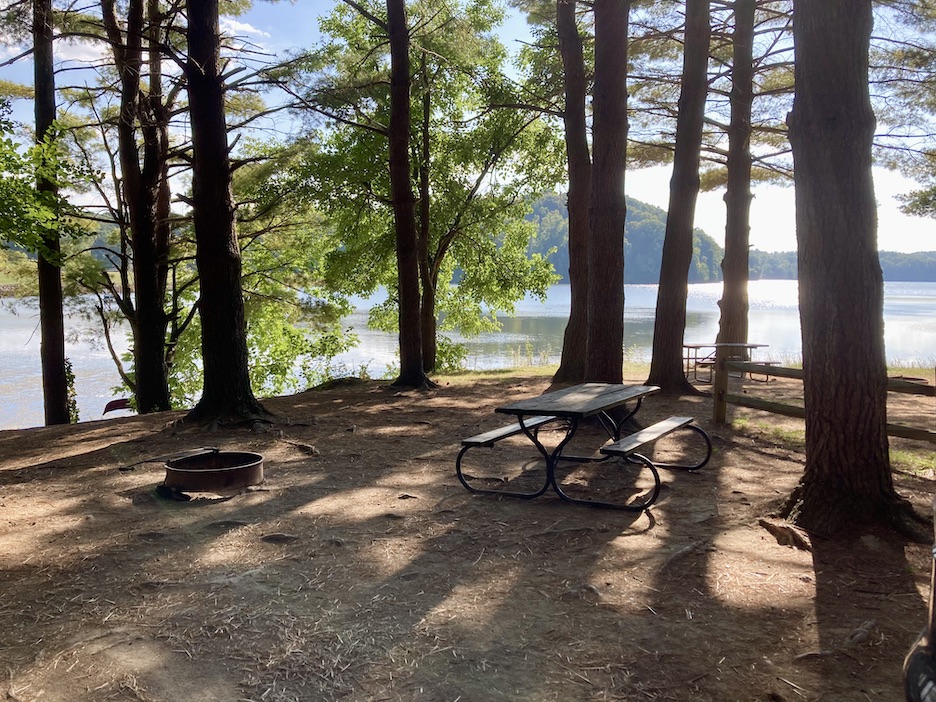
pixel 279 26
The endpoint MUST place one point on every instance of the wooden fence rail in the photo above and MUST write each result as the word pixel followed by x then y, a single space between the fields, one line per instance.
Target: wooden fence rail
pixel 723 398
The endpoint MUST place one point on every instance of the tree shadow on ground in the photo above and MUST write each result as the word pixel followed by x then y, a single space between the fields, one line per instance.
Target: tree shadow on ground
pixel 363 570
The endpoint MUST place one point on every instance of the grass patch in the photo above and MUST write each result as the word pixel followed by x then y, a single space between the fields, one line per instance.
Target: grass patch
pixel 926 372
pixel 466 377
pixel 921 463
pixel 794 439
pixel 916 462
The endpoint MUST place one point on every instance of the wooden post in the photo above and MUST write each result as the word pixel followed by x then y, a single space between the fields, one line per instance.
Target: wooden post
pixel 719 386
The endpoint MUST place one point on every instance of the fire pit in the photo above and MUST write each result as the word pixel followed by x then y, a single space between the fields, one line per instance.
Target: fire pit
pixel 214 471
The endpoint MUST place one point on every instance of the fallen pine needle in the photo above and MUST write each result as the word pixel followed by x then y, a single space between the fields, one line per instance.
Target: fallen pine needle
pixel 791 684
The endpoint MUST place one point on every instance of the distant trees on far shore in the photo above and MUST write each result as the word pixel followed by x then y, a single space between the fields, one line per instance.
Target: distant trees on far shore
pixel 646 225
pixel 908 267
pixel 643 242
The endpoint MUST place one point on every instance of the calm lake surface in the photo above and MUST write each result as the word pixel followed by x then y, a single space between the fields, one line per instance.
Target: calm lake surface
pixel 533 337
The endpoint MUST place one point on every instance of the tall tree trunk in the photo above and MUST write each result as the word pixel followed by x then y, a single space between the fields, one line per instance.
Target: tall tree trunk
pixel 607 209
pixel 156 167
pixel 51 311
pixel 411 361
pixel 847 479
pixel 733 322
pixel 666 366
pixel 572 363
pixel 427 277
pixel 227 392
pixel 142 190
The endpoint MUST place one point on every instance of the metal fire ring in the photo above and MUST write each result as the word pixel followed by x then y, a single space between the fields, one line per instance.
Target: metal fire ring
pixel 214 470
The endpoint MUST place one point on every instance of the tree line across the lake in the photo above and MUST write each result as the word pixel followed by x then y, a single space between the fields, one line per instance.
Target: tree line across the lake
pixel 644 231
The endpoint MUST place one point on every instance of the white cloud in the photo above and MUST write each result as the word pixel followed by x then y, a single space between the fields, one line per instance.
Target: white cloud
pixel 9 51
pixel 233 28
pixel 83 52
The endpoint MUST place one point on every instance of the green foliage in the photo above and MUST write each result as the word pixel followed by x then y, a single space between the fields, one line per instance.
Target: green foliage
pixel 919 203
pixel 915 267
pixel 451 357
pixel 29 216
pixel 11 90
pixel 644 232
pixel 185 376
pixel 903 76
pixel 908 267
pixel 483 159
pixel 320 367
pixel 656 54
pixel 72 394
pixel 293 324
pixel 772 266
pixel 16 268
pixel 293 327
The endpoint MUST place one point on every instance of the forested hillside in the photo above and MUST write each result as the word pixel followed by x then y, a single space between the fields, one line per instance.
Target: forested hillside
pixel 643 242
pixel 643 249
pixel 914 268
pixel 909 267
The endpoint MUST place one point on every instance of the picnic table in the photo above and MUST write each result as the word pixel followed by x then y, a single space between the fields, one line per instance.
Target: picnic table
pixel 566 410
pixel 698 356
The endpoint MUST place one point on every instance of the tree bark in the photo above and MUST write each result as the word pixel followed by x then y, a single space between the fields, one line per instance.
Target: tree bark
pixel 51 309
pixel 607 209
pixel 572 363
pixel 847 479
pixel 227 393
pixel 733 322
pixel 404 207
pixel 666 366
pixel 427 278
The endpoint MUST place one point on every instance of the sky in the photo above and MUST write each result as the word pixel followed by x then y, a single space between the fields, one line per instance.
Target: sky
pixel 772 211
pixel 773 225
pixel 280 26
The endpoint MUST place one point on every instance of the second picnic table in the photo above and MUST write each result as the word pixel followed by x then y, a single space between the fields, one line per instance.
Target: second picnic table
pixel 694 359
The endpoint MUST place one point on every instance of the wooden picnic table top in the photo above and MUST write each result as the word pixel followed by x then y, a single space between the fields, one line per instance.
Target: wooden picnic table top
pixel 579 401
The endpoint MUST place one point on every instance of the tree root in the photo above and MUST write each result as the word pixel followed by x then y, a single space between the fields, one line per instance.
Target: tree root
pixel 836 521
pixel 786 534
pixel 228 417
pixel 424 384
pixel 909 523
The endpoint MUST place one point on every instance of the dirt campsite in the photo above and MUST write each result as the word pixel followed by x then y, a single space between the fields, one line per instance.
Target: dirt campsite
pixel 361 570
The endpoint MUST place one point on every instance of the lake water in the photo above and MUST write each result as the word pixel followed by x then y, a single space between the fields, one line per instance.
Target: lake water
pixel 534 336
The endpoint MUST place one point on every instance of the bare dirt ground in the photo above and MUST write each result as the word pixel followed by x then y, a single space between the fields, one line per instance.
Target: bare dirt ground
pixel 362 570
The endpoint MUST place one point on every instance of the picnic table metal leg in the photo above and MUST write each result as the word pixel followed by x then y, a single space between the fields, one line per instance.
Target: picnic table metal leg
pixel 613 427
pixel 700 464
pixel 550 457
pixel 465 480
pixel 643 502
